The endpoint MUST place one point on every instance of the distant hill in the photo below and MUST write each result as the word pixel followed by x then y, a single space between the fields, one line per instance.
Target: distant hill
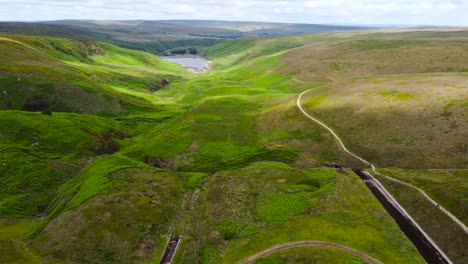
pixel 147 36
pixel 54 30
pixel 264 28
pixel 145 27
pixel 162 36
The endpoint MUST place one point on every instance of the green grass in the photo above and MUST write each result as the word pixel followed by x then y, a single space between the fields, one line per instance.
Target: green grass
pixel 60 136
pixel 238 166
pixel 231 52
pixel 263 165
pixel 195 180
pixel 277 208
pixel 210 254
pixel 447 187
pixel 310 255
pixel 87 76
pixel 39 153
pixel 93 180
pixel 13 243
pixel 438 226
pixel 314 101
pixel 395 95
pixel 218 156
pixel 342 215
pixel 228 229
pixel 146 202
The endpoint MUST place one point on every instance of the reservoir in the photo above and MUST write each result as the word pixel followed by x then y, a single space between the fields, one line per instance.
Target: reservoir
pixel 195 64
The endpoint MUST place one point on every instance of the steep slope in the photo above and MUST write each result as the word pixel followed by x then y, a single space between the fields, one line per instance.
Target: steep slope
pixel 54 75
pixel 43 151
pixel 39 73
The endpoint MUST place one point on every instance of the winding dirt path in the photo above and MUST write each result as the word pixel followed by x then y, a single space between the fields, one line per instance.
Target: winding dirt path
pixel 340 142
pixel 308 243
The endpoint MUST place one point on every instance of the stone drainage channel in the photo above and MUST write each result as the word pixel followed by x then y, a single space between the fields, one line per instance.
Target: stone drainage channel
pixel 428 248
pixel 170 250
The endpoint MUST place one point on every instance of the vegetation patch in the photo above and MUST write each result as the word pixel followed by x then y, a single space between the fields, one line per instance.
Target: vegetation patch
pixel 401 141
pixel 168 146
pixel 340 65
pixel 395 95
pixel 321 173
pixel 265 165
pixel 195 180
pixel 249 231
pixel 229 229
pixel 277 208
pixel 316 100
pixel 17 206
pixel 94 180
pixel 311 255
pixel 210 254
pixel 447 187
pixel 208 118
pixel 384 44
pixel 222 156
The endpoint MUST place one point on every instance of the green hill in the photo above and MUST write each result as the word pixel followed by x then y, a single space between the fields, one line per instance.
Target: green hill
pixel 117 149
pixel 44 73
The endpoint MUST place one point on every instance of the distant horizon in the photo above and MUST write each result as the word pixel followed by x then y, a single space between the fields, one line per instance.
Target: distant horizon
pixel 330 12
pixel 242 21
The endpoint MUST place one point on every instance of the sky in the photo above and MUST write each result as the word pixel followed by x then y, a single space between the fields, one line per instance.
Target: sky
pixel 371 12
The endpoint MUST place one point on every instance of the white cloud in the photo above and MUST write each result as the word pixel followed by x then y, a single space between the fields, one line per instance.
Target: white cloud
pixel 181 9
pixel 448 12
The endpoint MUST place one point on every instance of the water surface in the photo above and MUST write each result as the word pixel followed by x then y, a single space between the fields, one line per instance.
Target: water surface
pixel 195 64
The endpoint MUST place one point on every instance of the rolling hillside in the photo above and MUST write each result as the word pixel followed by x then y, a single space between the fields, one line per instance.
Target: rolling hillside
pixel 44 73
pixel 148 36
pixel 106 150
pixel 263 28
pixel 161 36
pixel 389 101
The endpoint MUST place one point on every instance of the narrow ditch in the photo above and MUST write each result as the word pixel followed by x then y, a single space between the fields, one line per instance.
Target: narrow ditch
pixel 428 249
pixel 170 250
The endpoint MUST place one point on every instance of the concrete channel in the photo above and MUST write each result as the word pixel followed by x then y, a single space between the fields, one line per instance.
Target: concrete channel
pixel 425 245
pixel 170 250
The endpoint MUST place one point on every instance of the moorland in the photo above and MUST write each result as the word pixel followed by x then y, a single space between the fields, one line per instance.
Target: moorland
pixel 107 150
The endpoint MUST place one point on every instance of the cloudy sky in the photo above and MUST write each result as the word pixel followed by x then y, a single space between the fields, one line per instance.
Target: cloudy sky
pixel 401 12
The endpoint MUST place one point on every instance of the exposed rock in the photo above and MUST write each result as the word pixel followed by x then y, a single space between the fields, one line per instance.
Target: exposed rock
pixel 157 162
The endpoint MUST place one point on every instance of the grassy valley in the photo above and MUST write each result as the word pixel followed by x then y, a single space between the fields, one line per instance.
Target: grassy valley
pixel 162 36
pixel 114 149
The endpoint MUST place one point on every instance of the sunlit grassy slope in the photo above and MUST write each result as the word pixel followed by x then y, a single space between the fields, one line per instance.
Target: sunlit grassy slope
pixel 41 73
pixel 397 99
pixel 130 148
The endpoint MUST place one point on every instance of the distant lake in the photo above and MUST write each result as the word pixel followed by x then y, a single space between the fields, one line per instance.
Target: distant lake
pixel 196 64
